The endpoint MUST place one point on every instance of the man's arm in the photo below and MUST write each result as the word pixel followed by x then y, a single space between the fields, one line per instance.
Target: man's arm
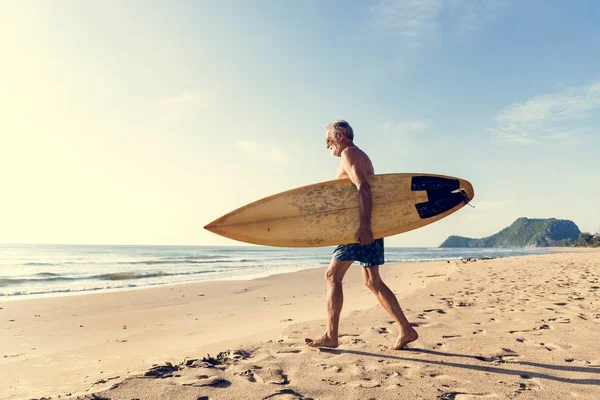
pixel 355 170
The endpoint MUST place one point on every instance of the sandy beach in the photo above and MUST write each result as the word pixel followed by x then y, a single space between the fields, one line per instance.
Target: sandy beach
pixel 522 327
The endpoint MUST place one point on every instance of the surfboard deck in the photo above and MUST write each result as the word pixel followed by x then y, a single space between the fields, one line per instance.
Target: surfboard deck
pixel 327 213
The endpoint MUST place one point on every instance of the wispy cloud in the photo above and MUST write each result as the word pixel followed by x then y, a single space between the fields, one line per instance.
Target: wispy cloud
pixel 473 15
pixel 415 20
pixel 405 128
pixel 409 18
pixel 504 137
pixel 262 152
pixel 556 117
pixel 183 97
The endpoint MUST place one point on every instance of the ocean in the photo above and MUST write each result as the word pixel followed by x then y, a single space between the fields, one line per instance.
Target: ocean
pixel 50 270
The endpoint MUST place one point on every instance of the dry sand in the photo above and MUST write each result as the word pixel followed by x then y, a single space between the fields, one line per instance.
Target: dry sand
pixel 523 327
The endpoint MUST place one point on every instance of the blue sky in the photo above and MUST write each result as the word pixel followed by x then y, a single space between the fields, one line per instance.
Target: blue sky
pixel 140 122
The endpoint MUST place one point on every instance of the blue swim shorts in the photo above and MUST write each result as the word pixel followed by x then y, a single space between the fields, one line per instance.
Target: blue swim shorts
pixel 367 254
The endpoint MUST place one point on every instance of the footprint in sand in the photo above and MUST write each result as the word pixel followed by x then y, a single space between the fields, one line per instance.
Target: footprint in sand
pixel 398 366
pixel 207 381
pixel 286 394
pixel 330 368
pixel 518 331
pixel 365 383
pixel 583 362
pixel 289 351
pixel 528 385
pixel 465 396
pixel 348 335
pixel 437 310
pixel 248 374
pixel 333 382
pixel 553 347
pixel 356 370
pixel 451 336
pixel 274 376
pixel 560 320
pixel 438 375
pixel 461 303
pixel 392 375
pixel 356 341
pixel 503 356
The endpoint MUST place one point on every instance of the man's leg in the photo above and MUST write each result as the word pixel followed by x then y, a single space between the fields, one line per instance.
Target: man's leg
pixel 335 299
pixel 389 301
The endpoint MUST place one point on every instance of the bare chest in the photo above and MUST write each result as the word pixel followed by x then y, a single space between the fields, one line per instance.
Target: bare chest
pixel 341 174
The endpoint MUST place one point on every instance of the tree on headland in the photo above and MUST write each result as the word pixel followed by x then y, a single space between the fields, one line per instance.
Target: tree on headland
pixel 587 239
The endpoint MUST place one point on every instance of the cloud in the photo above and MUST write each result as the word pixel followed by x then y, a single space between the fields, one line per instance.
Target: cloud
pixel 409 18
pixel 504 137
pixel 556 117
pixel 183 97
pixel 474 15
pixel 405 128
pixel 260 152
pixel 572 103
pixel 417 19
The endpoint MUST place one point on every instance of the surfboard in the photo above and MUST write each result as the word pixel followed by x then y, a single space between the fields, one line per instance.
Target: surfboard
pixel 327 213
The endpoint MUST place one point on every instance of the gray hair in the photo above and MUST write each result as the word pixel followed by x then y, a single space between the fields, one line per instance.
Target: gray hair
pixel 342 127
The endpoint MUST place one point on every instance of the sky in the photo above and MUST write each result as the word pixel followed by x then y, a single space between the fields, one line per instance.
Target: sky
pixel 140 122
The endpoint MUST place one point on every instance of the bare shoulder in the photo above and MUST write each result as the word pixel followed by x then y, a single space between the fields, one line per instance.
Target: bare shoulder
pixel 354 154
pixel 355 158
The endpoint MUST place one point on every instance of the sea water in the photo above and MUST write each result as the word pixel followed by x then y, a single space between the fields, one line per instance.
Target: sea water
pixel 46 270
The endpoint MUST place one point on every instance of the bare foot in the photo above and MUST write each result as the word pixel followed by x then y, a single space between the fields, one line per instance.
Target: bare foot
pixel 407 336
pixel 323 341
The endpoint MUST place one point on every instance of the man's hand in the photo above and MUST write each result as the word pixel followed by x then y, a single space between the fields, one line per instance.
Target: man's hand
pixel 364 235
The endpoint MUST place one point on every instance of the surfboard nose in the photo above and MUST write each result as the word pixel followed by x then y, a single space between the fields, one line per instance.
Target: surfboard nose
pixel 210 227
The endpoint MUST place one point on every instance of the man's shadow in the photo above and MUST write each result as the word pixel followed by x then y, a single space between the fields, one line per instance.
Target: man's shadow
pixel 484 368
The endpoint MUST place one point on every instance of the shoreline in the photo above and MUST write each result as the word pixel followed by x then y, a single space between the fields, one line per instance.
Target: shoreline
pixel 85 292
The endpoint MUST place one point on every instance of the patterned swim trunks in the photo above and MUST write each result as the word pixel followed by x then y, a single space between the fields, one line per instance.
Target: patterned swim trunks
pixel 367 254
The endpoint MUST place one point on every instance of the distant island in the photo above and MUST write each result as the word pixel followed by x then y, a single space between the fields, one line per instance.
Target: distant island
pixel 526 232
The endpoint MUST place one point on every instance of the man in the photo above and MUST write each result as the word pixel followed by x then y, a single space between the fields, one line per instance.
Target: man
pixel 356 166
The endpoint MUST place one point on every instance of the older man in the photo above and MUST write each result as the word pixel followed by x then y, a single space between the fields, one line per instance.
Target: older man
pixel 356 166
